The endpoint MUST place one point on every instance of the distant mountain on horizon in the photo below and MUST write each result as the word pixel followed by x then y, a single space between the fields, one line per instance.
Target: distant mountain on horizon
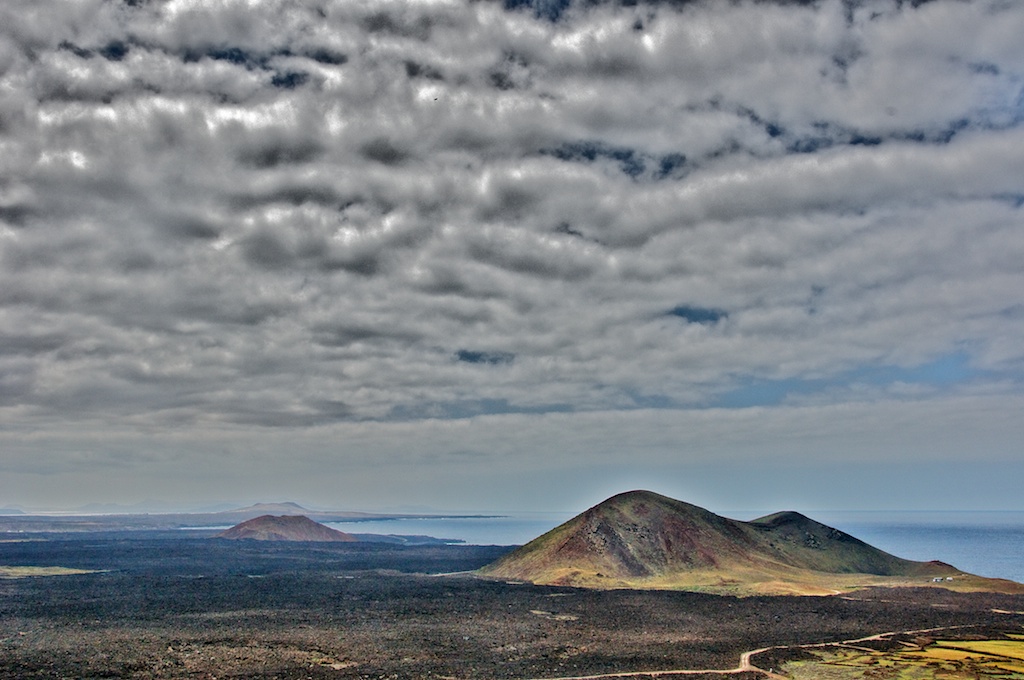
pixel 114 517
pixel 285 528
pixel 640 539
pixel 148 506
pixel 283 508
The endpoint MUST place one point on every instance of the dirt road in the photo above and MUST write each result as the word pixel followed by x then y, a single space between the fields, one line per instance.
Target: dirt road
pixel 746 665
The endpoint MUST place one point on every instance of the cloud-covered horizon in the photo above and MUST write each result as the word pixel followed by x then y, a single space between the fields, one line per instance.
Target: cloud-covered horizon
pixel 318 217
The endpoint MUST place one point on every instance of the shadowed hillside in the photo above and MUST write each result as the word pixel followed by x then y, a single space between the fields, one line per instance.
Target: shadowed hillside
pixel 642 539
pixel 284 528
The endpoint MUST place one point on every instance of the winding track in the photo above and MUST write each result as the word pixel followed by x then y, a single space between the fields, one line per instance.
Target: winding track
pixel 745 664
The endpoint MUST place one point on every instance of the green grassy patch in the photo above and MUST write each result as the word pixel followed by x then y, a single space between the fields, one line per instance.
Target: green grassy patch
pixel 1013 649
pixel 948 659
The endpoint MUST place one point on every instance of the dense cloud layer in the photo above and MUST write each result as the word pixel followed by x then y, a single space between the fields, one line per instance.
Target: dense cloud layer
pixel 299 215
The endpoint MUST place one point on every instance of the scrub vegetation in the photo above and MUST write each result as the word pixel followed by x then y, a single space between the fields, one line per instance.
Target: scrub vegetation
pixel 197 607
pixel 641 539
pixel 965 657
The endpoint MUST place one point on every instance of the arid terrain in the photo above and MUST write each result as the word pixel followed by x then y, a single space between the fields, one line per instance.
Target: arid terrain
pixel 155 606
pixel 643 540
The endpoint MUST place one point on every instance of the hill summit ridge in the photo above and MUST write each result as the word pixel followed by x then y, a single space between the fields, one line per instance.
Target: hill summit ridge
pixel 285 528
pixel 644 539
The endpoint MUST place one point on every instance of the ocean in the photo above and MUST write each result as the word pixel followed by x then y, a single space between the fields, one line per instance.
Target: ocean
pixel 984 543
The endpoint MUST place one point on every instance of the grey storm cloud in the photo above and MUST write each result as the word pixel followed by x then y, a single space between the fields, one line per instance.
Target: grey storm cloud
pixel 293 214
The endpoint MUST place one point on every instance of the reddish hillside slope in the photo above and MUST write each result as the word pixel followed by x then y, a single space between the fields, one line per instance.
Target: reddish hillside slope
pixel 284 528
pixel 643 539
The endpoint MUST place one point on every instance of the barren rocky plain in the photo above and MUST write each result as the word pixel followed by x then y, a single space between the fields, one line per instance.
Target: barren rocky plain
pixel 163 604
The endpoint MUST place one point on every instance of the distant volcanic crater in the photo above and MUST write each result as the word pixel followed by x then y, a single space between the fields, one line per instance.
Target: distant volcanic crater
pixel 641 539
pixel 285 528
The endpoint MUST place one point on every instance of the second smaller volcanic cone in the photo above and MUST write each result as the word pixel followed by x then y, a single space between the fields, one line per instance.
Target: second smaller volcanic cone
pixel 285 528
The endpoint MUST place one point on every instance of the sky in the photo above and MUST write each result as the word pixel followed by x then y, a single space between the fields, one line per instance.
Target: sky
pixel 459 255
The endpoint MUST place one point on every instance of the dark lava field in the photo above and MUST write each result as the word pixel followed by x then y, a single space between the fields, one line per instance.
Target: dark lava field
pixel 165 606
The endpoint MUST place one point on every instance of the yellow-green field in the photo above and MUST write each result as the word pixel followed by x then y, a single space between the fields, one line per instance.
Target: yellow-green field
pixel 24 572
pixel 1009 648
pixel 780 580
pixel 947 659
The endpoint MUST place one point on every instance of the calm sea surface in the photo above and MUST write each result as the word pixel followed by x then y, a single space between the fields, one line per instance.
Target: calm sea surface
pixel 984 543
pixel 505 530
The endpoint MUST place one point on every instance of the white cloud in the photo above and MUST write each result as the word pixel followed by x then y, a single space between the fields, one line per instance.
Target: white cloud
pixel 231 216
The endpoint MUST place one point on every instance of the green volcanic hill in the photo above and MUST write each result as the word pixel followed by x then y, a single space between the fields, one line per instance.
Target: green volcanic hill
pixel 284 528
pixel 641 539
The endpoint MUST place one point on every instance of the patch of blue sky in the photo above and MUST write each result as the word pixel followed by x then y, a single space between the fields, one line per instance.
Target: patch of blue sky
pixel 946 371
pixel 455 410
pixel 827 135
pixel 767 392
pixel 1005 111
pixel 551 10
pixel 1016 199
pixel 700 315
pixel 1016 113
pixel 249 59
pixel 478 357
pixel 652 401
pixel 630 162
pixel 289 80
